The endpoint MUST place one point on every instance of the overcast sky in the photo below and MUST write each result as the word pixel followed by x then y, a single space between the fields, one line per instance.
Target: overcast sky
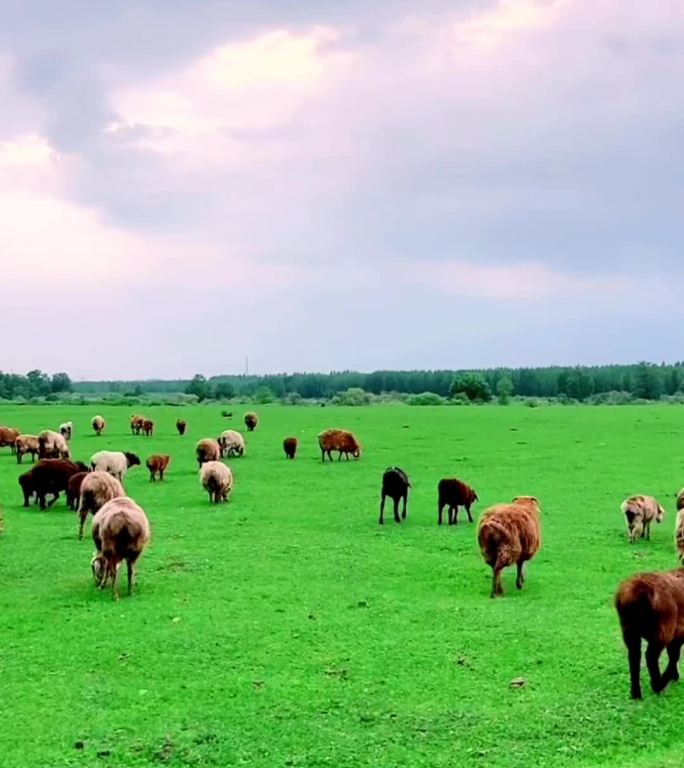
pixel 329 184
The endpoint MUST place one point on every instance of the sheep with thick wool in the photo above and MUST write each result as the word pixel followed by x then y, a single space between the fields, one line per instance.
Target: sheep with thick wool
pixel 8 436
pixel 52 445
pixel 232 443
pixel 97 488
pixel 207 450
pixel 98 424
pixel 66 430
pixel 117 463
pixel 120 532
pixel 26 444
pixel 217 480
pixel 510 534
pixel 640 512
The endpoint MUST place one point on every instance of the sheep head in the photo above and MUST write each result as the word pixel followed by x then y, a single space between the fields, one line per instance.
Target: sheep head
pixel 99 568
pixel 131 459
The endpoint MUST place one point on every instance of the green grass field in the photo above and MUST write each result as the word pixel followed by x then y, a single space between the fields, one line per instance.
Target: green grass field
pixel 287 628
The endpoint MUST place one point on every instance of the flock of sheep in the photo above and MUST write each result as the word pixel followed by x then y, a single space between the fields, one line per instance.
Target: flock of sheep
pixel 650 606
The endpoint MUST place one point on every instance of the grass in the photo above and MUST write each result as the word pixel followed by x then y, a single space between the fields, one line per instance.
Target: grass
pixel 288 629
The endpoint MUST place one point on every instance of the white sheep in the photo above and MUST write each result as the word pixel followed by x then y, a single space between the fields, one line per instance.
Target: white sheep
pixel 52 445
pixel 217 480
pixel 232 443
pixel 66 430
pixel 121 531
pixel 98 424
pixel 117 463
pixel 640 512
pixel 97 489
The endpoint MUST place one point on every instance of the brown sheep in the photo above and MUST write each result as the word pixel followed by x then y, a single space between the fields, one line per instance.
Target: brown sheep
pixel 148 427
pixel 181 426
pixel 48 476
pixel 395 484
pixel 251 421
pixel 510 534
pixel 96 490
pixel 157 465
pixel 8 437
pixel 651 607
pixel 27 444
pixel 338 440
pixel 454 494
pixel 98 424
pixel 290 447
pixel 136 423
pixel 121 532
pixel 217 480
pixel 73 489
pixel 679 526
pixel 207 450
pixel 640 512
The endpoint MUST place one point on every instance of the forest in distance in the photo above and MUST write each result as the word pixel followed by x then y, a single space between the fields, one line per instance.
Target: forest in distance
pixel 610 383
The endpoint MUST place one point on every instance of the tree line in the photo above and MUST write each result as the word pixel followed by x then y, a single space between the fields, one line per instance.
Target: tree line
pixel 34 384
pixel 640 381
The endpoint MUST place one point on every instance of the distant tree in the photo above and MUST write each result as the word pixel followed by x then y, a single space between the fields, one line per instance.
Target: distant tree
pixel 264 395
pixel 38 383
pixel 473 385
pixel 199 387
pixel 224 390
pixel 504 390
pixel 648 383
pixel 61 383
pixel 352 396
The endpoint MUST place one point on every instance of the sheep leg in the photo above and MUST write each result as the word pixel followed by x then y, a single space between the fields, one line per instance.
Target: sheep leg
pixel 470 517
pixel 671 672
pixel 634 656
pixel 397 519
pixel 130 574
pixel 403 514
pixel 521 578
pixel 161 474
pixel 115 577
pixel 440 510
pixel 653 652
pixel 382 510
pixel 81 521
pixel 497 589
pixel 453 518
pixel 55 495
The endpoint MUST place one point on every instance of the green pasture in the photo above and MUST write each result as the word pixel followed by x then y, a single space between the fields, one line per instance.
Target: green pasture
pixel 287 628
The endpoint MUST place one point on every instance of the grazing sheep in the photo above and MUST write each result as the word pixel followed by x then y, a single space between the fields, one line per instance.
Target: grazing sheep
pixel 232 443
pixel 52 445
pixel 48 477
pixel 181 426
pixel 217 480
pixel 8 437
pixel 121 532
pixel 97 489
pixel 651 607
pixel 640 512
pixel 207 450
pixel 98 424
pixel 290 447
pixel 117 463
pixel 251 421
pixel 395 484
pixel 148 427
pixel 136 423
pixel 454 494
pixel 27 444
pixel 510 534
pixel 157 465
pixel 66 430
pixel 227 414
pixel 73 489
pixel 338 440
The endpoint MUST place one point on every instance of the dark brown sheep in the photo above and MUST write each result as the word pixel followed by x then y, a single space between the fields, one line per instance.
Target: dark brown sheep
pixel 181 426
pixel 395 484
pixel 136 423
pixel 454 494
pixel 338 440
pixel 290 447
pixel 157 465
pixel 509 534
pixel 73 489
pixel 207 450
pixel 148 427
pixel 251 421
pixel 48 476
pixel 8 437
pixel 651 607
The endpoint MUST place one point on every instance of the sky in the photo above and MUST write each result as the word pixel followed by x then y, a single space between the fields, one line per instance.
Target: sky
pixel 339 184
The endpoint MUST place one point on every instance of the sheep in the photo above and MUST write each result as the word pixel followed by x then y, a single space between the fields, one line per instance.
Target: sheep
pixel 157 465
pixel 27 444
pixel 181 426
pixel 338 440
pixel 48 476
pixel 290 447
pixel 97 489
pixel 136 423
pixel 251 421
pixel 453 493
pixel 217 480
pixel 98 424
pixel 650 606
pixel 8 437
pixel 510 534
pixel 120 532
pixel 66 430
pixel 52 445
pixel 73 489
pixel 207 450
pixel 640 512
pixel 395 484
pixel 117 463
pixel 148 427
pixel 232 443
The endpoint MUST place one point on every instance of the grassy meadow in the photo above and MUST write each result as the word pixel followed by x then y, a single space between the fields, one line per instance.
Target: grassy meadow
pixel 287 628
